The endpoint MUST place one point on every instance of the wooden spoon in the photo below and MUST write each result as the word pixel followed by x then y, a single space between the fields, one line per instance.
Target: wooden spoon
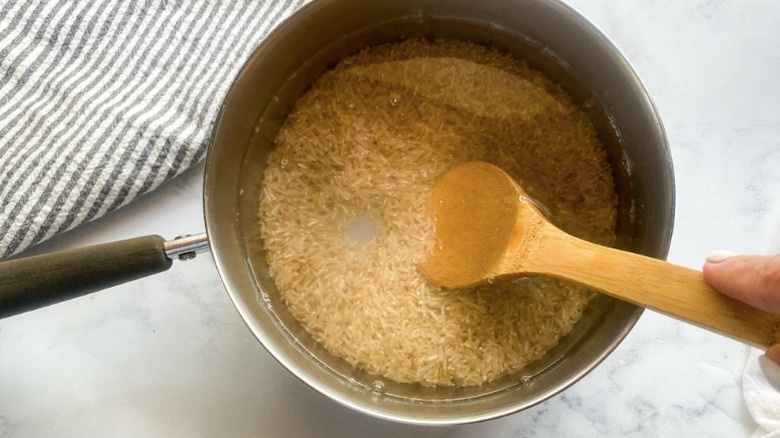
pixel 487 227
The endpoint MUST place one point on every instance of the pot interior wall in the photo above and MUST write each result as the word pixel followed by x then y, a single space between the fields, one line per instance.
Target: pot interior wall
pixel 285 66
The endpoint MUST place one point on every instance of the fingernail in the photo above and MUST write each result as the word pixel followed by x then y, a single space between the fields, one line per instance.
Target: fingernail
pixel 719 255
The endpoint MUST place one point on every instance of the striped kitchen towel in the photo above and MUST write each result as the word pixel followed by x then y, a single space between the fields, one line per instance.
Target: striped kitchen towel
pixel 102 101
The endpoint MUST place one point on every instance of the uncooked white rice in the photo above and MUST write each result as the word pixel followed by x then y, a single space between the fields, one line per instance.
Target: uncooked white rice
pixel 365 145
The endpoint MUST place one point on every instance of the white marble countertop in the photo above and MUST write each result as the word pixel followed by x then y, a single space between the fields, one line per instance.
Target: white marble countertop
pixel 168 356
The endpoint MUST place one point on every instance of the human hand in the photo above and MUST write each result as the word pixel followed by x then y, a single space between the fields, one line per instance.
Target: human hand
pixel 753 279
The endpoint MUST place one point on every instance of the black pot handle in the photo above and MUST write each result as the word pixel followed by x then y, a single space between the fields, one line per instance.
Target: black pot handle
pixel 37 281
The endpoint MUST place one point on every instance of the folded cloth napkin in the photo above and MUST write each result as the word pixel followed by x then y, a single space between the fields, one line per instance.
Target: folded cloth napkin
pixel 761 389
pixel 102 101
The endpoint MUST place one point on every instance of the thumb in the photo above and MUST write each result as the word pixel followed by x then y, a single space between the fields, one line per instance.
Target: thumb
pixel 753 279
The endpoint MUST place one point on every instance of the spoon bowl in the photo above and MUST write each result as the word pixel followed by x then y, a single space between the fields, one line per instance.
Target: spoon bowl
pixel 488 228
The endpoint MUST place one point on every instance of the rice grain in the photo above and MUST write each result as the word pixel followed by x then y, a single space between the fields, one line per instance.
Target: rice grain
pixel 366 143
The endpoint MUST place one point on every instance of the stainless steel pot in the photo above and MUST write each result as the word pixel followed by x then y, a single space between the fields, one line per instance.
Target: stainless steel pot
pixel 552 38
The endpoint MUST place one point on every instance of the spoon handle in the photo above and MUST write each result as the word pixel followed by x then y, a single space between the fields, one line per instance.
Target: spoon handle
pixel 674 290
